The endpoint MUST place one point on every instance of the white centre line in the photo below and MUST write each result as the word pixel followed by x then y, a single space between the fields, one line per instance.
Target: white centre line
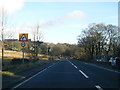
pixel 79 70
pixel 98 87
pixel 83 74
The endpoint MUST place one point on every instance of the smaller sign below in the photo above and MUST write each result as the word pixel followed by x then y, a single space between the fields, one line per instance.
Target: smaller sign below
pixel 23 44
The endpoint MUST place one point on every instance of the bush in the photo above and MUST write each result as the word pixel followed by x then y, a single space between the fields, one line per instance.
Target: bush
pixel 19 61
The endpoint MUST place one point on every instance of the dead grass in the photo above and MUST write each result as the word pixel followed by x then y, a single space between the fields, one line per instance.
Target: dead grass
pixel 14 54
pixel 9 55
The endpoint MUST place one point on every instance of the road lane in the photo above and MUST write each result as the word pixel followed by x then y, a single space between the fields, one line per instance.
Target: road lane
pixel 60 75
pixel 99 76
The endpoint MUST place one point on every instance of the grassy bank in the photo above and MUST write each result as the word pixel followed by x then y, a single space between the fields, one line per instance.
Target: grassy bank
pixel 12 69
pixel 22 67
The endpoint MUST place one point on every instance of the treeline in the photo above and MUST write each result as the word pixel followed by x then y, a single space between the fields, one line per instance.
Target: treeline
pixel 99 41
pixel 96 41
pixel 33 48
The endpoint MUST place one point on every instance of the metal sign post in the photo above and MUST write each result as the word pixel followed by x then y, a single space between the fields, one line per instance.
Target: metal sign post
pixel 23 54
pixel 23 45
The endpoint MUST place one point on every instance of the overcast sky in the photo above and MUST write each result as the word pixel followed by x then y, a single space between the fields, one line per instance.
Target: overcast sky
pixel 59 21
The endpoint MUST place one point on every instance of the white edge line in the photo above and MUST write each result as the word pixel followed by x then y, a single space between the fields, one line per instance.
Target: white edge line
pixel 83 74
pixel 75 66
pixel 31 77
pixel 28 79
pixel 98 87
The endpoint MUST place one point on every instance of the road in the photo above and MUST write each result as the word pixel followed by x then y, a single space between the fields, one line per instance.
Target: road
pixel 72 74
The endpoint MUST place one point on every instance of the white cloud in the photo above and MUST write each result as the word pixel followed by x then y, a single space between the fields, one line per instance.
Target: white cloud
pixel 61 20
pixel 58 21
pixel 10 6
pixel 76 26
pixel 76 14
pixel 33 25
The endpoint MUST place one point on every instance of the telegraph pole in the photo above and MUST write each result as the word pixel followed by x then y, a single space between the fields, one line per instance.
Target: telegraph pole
pixel 2 33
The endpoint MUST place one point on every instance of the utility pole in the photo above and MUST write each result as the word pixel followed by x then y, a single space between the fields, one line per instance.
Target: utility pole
pixel 2 33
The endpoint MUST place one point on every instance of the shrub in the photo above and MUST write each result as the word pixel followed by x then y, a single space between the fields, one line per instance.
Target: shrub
pixel 19 61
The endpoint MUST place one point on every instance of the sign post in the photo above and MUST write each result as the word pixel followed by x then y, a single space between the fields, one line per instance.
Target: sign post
pixel 23 45
pixel 23 54
pixel 23 37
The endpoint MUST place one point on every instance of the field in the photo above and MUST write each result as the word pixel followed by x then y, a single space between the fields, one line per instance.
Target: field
pixel 12 54
pixel 10 69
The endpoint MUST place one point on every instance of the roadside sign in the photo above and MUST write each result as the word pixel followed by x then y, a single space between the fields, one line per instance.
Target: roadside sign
pixel 23 37
pixel 23 44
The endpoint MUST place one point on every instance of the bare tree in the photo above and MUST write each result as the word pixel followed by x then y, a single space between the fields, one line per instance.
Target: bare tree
pixel 37 35
pixel 37 40
pixel 99 40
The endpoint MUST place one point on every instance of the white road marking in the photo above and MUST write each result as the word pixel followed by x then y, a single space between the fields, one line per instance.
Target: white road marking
pixel 31 77
pixel 83 74
pixel 79 70
pixel 75 66
pixel 98 87
pixel 72 64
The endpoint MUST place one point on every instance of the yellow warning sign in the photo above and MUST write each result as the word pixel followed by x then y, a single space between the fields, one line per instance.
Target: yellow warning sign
pixel 23 37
